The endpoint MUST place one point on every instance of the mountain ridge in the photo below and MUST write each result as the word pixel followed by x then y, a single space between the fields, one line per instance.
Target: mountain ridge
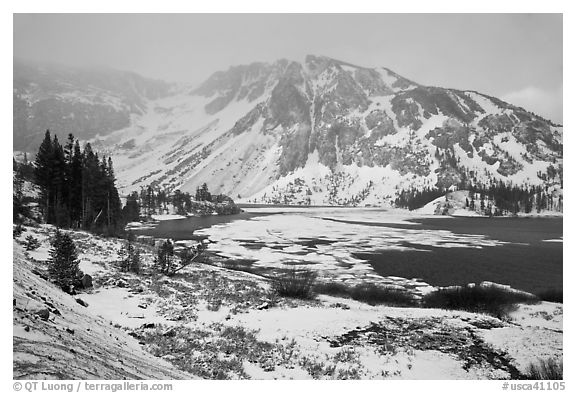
pixel 325 131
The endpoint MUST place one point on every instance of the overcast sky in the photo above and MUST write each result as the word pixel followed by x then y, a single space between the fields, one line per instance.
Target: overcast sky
pixel 514 57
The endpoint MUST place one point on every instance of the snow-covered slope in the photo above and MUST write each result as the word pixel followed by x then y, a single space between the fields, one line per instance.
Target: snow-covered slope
pixel 327 132
pixel 215 323
pixel 457 203
pixel 70 341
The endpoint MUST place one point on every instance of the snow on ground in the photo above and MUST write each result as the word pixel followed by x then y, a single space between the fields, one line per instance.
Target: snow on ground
pixel 213 322
pixel 537 334
pixel 71 343
pixel 453 203
pixel 122 307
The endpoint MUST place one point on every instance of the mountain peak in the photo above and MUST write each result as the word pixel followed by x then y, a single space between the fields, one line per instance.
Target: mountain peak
pixel 320 131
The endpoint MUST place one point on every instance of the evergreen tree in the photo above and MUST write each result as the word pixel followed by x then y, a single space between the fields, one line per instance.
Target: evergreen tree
pixel 135 262
pixel 90 169
pixel 165 257
pixel 43 173
pixel 130 256
pixel 63 262
pixel 75 182
pixel 58 186
pixel 77 189
pixel 131 211
pixel 202 193
pixel 31 243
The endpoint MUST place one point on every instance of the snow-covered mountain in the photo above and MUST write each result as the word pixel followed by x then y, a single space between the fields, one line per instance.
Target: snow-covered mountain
pixel 319 131
pixel 83 101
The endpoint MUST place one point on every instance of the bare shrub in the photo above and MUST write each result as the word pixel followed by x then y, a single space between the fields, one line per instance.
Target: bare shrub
pixel 295 283
pixel 545 369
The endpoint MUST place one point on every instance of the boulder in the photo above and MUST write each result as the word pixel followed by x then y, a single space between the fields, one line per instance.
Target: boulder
pixel 86 281
pixel 263 306
pixel 44 314
pixel 40 274
pixel 81 302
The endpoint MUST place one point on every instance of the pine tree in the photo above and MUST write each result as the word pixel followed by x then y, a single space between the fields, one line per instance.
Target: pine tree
pixel 31 243
pixel 75 181
pixel 135 262
pixel 63 262
pixel 165 257
pixel 43 173
pixel 131 211
pixel 58 186
pixel 126 254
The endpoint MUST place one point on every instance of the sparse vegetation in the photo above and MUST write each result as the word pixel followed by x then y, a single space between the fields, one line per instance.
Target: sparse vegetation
pixel 31 243
pixel 375 294
pixel 498 302
pixel 216 353
pixel 130 257
pixel 550 369
pixel 368 293
pixel 169 262
pixel 295 283
pixel 17 231
pixel 241 266
pixel 332 288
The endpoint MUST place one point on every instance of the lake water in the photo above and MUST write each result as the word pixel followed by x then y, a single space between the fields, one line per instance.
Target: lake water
pixel 391 247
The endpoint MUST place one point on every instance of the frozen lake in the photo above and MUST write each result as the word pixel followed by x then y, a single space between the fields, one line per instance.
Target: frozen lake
pixel 392 247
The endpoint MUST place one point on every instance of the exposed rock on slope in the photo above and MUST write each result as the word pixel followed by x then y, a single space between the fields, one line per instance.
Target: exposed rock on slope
pixel 327 132
pixel 83 101
pixel 54 337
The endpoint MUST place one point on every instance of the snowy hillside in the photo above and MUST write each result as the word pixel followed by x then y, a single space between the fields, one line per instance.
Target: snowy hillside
pixel 57 338
pixel 327 132
pixel 215 323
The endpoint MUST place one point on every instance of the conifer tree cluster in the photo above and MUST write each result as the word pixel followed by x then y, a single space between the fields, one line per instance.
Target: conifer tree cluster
pixel 415 199
pixel 202 193
pixel 63 263
pixel 77 187
pixel 511 199
pixel 153 200
pixel 169 262
pixel 165 260
pixel 497 198
pixel 131 210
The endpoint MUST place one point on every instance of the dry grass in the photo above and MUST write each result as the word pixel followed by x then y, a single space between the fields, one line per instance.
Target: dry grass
pixel 545 369
pixel 295 283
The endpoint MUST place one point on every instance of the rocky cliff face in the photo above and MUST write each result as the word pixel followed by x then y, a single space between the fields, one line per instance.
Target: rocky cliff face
pixel 326 132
